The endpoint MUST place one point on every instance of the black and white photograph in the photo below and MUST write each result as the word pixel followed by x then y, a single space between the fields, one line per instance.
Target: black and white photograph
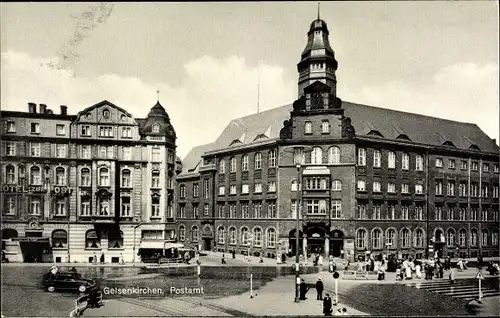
pixel 267 158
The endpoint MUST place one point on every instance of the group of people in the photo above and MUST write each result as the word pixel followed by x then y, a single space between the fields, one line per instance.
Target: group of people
pixel 102 259
pixel 327 301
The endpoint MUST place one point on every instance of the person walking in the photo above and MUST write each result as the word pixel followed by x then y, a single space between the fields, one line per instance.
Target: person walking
pixel 319 289
pixel 327 305
pixel 223 260
pixel 303 290
pixel 102 258
pixel 94 259
pixel 452 275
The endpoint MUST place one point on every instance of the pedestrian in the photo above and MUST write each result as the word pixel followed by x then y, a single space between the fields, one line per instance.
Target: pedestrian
pixel 441 270
pixel 398 273
pixel 327 305
pixel 187 257
pixel 94 259
pixel 234 254
pixel 452 275
pixel 418 272
pixel 320 260
pixel 261 260
pixel 122 261
pixel 319 289
pixel 303 290
pixel 102 258
pixel 223 260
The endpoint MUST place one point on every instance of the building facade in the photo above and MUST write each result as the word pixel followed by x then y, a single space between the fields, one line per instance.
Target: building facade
pixel 366 179
pixel 97 183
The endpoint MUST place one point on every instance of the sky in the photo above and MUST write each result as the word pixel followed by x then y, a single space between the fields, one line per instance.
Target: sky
pixel 434 58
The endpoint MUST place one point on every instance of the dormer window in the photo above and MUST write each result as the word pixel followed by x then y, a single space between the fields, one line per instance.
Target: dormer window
pixel 105 113
pixel 156 128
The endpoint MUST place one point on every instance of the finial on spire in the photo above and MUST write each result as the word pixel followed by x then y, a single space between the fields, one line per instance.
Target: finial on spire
pixel 158 95
pixel 318 10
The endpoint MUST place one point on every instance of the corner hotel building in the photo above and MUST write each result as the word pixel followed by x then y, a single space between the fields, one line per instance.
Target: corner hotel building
pixel 370 179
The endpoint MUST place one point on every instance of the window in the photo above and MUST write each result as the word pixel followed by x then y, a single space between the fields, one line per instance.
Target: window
pixel 105 131
pixel 222 166
pixel 376 158
pixel 232 189
pixel 35 128
pixel 336 209
pixel 220 210
pixel 244 211
pixel 298 156
pixel 391 160
pixel 126 132
pixel 155 179
pixel 376 239
pixel 60 176
pixel 461 237
pixel 419 238
pixel 484 190
pixel 494 238
pixel 194 234
pixel 271 186
pixel 61 151
pixel 195 190
pixel 376 212
pixel 115 240
pixel 450 188
pixel 245 240
pixel 361 238
pixel 336 185
pixel 127 153
pixel 451 213
pixel 182 233
pixel 271 238
pixel 182 212
pixel 104 177
pixel 11 127
pixel 438 211
pixel 233 164
pixel 308 128
pixel 439 187
pixel 257 209
pixel 35 176
pixel 405 188
pixel 60 130
pixel 317 155
pixel 196 213
pixel 10 173
pixel 450 238
pixel 258 161
pixel 391 212
pixel 244 189
pixel 126 178
pixel 257 237
pixel 85 131
pixel 272 158
pixel 258 188
pixel 316 183
pixel 86 154
pixel 316 206
pixel 474 166
pixel 405 211
pixel 333 155
pixel 495 192
pixel 222 190
pixel 232 210
pixel 405 238
pixel 35 205
pixel 60 207
pixel 451 163
pixel 361 185
pixel 463 165
pixel 419 163
pixel 391 237
pixel 103 152
pixel 125 207
pixel 361 211
pixel 221 235
pixel 419 213
pixel 155 154
pixel 35 149
pixel 439 163
pixel 11 149
pixel 325 127
pixel 155 207
pixel 391 187
pixel 294 186
pixel 271 209
pixel 419 189
pixel 376 186
pixel 462 188
pixel 182 191
pixel 85 207
pixel 405 164
pixel 155 128
pixel 206 189
pixel 206 209
pixel 484 213
pixel 474 189
pixel 495 167
pixel 462 214
pixel 361 157
pixel 92 239
pixel 473 214
pixel 244 163
pixel 293 208
pixel 59 239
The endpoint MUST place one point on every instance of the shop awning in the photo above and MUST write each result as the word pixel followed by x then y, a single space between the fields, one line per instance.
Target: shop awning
pixel 159 245
pixel 173 245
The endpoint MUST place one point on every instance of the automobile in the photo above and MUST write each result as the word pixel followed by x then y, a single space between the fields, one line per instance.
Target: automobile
pixel 67 282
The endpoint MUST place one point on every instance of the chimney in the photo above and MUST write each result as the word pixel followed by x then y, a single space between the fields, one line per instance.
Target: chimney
pixel 64 110
pixel 49 111
pixel 32 108
pixel 43 108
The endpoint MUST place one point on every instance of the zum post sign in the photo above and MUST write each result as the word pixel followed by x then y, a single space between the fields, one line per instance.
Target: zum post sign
pixel 62 190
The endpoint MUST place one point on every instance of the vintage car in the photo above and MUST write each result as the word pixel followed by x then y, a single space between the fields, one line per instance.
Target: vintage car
pixel 67 282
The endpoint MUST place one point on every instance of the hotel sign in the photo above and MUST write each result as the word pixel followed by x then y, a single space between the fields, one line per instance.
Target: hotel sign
pixel 35 189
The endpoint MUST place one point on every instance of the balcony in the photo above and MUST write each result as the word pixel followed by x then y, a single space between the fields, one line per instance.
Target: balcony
pixel 208 167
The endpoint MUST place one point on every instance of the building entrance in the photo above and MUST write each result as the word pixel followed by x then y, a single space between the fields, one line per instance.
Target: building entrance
pixel 336 243
pixel 207 244
pixel 292 236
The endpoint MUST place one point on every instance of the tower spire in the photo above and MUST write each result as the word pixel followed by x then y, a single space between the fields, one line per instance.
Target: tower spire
pixel 318 10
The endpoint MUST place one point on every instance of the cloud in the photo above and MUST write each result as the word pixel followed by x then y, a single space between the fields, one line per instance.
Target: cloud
pixel 213 92
pixel 464 92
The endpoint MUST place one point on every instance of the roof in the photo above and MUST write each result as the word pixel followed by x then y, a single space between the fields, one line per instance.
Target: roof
pixel 191 163
pixel 378 122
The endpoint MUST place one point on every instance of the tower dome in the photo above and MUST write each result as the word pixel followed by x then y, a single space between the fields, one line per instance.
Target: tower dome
pixel 158 122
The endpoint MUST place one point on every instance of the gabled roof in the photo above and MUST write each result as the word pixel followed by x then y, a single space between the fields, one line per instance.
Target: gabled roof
pixel 191 163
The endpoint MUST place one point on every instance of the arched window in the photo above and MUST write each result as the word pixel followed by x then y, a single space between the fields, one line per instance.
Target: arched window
pixel 232 235
pixel 104 177
pixel 155 179
pixel 245 236
pixel 494 238
pixel 115 240
pixel 473 237
pixel 60 176
pixel 450 237
pixel 361 238
pixel 390 238
pixel 294 186
pixel 155 128
pixel 35 175
pixel 484 238
pixel 376 239
pixel 126 178
pixel 336 185
pixel 258 160
pixel 419 238
pixel 85 177
pixel 182 233
pixel 222 166
pixel 221 237
pixel 194 234
pixel 272 158
pixel 462 237
pixel 233 164
pixel 92 239
pixel 271 238
pixel 405 238
pixel 257 237
pixel 317 156
pixel 59 239
pixel 244 163
pixel 10 173
pixel 333 155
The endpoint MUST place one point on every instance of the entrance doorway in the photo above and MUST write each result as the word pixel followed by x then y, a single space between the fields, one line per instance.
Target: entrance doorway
pixel 336 243
pixel 207 244
pixel 316 242
pixel 292 236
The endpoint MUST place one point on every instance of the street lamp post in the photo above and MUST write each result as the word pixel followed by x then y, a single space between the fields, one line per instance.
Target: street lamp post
pixel 133 248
